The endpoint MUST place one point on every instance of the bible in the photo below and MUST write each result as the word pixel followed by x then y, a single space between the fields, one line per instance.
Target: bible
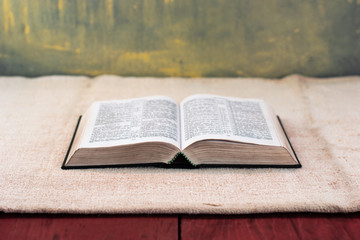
pixel 205 130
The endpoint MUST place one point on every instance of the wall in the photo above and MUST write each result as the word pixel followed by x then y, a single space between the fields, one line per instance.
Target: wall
pixel 190 38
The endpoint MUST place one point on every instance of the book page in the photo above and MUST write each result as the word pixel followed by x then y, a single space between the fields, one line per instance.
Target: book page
pixel 223 118
pixel 132 121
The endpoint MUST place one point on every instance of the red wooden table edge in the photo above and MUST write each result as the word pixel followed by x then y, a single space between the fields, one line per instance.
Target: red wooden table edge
pixel 88 226
pixel 184 226
pixel 272 226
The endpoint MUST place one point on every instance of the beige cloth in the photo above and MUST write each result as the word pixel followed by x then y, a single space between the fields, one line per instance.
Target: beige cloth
pixel 38 117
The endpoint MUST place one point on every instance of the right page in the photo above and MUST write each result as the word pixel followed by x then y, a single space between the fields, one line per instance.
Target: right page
pixel 205 117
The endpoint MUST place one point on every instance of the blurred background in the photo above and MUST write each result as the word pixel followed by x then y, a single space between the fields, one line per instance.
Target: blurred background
pixel 187 38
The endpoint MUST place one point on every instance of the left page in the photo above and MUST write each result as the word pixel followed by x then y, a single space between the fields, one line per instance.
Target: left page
pixel 122 122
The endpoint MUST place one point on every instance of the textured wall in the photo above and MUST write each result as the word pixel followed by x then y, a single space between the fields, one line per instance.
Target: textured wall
pixel 191 38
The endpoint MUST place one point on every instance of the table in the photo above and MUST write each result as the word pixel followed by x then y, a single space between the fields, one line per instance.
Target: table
pixel 254 226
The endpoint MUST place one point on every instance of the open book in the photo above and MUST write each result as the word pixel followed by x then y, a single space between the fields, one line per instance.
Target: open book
pixel 208 130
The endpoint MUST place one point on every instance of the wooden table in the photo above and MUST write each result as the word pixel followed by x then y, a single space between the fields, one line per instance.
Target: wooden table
pixel 259 226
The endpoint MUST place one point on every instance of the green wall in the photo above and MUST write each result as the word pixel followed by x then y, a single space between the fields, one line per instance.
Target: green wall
pixel 190 38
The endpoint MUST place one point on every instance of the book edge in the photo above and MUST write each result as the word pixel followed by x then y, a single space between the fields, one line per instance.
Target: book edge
pixel 287 138
pixel 63 166
pixel 298 165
